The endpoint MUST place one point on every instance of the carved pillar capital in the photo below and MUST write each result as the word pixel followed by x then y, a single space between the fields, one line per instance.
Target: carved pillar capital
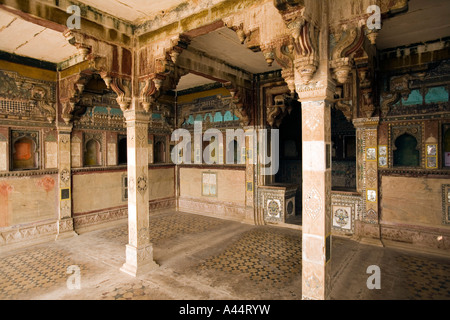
pixel 133 116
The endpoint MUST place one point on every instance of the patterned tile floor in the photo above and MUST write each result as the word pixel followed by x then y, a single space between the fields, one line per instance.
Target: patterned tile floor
pixel 209 258
pixel 425 279
pixel 32 269
pixel 129 291
pixel 263 255
pixel 167 226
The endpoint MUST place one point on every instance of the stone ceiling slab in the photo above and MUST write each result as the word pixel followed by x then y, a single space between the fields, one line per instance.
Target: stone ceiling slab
pixel 26 39
pixel 192 81
pixel 223 44
pixel 425 20
pixel 134 10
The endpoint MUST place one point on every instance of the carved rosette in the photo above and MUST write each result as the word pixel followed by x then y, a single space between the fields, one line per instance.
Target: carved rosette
pixel 65 176
pixel 142 185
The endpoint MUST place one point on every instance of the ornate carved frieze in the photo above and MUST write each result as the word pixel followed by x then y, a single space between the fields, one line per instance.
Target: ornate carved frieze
pixel 83 221
pixel 417 94
pixel 27 98
pixel 25 233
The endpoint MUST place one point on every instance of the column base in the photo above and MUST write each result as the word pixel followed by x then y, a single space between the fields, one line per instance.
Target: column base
pixel 66 235
pixel 65 229
pixel 139 260
pixel 371 242
pixel 368 233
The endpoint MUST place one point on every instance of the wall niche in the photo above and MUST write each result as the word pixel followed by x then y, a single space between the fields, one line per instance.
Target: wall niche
pixel 24 150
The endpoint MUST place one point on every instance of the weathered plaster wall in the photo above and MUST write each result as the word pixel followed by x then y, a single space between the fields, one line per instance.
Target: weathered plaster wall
pixel 161 183
pixel 229 202
pixel 26 200
pixel 414 201
pixel 103 190
pixel 97 191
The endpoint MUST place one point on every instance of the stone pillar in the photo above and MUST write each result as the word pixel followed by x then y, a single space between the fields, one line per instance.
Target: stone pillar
pixel 248 153
pixel 139 250
pixel 368 228
pixel 316 242
pixel 65 226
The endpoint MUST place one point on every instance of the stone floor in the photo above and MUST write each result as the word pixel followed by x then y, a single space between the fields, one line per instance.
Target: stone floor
pixel 203 258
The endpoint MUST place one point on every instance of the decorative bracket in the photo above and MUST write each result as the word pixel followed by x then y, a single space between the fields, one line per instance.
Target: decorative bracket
pixel 147 89
pixel 76 40
pixel 73 87
pixel 277 111
pixel 302 47
pixel 122 88
pixel 348 43
pixel 240 109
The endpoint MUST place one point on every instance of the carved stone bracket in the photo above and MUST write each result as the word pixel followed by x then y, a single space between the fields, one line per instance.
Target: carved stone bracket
pixel 240 106
pixel 147 89
pixel 299 54
pixel 399 87
pixel 346 108
pixel 73 88
pixel 122 88
pixel 279 109
pixel 76 39
pixel 348 43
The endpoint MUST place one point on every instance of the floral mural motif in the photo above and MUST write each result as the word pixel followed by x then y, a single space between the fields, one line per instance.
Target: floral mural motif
pixel 341 217
pixel 273 207
pixel 6 189
pixel 46 183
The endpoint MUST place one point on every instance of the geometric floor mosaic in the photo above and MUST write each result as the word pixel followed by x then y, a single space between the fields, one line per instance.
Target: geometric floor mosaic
pixel 262 255
pixel 425 279
pixel 265 256
pixel 38 268
pixel 167 226
pixel 132 291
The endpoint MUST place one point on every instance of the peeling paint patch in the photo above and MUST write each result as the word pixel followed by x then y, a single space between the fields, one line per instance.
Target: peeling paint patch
pixel 5 190
pixel 46 183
